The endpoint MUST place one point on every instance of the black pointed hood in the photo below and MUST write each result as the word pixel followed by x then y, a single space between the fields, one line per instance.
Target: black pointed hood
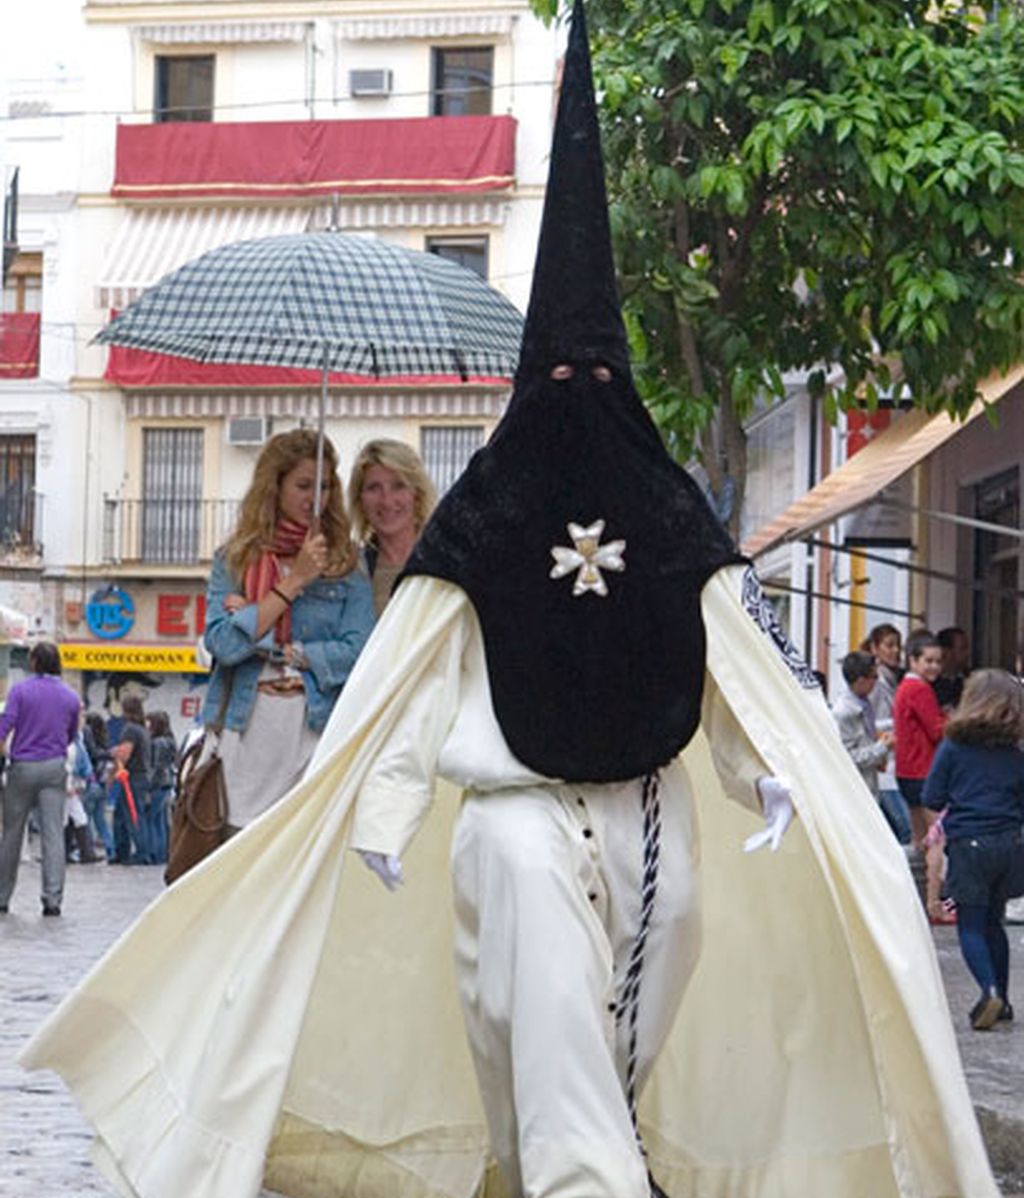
pixel 574 311
pixel 581 543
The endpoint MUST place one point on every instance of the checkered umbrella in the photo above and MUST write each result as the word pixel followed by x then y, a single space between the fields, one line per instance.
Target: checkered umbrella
pixel 326 301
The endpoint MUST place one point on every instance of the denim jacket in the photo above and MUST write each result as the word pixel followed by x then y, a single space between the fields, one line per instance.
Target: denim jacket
pixel 331 619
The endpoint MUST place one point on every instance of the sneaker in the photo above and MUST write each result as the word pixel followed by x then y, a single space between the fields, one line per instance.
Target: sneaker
pixel 986 1011
pixel 1006 1014
pixel 3 908
pixel 52 909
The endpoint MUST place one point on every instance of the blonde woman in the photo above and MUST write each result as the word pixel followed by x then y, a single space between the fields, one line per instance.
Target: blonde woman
pixel 288 612
pixel 390 496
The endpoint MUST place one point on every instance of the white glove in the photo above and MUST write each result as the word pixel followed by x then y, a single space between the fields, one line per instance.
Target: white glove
pixel 386 866
pixel 777 803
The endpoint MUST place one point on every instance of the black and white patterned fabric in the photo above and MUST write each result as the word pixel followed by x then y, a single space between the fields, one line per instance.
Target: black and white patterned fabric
pixel 377 309
pixel 760 609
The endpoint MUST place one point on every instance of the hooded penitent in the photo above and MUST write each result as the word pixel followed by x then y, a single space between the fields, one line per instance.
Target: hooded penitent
pixel 582 545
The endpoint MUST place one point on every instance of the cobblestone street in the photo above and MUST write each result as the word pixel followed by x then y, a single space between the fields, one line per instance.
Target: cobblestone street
pixel 44 1143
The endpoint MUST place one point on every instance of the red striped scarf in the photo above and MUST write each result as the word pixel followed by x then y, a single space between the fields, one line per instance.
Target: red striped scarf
pixel 265 572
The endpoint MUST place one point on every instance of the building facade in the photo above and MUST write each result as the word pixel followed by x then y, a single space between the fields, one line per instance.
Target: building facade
pixel 170 129
pixel 892 517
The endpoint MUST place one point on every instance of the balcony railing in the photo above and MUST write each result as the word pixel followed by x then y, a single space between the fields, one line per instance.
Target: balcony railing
pixel 21 526
pixel 459 155
pixel 165 532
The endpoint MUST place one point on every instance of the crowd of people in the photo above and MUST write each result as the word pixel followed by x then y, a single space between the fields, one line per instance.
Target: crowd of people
pixel 292 597
pixel 940 747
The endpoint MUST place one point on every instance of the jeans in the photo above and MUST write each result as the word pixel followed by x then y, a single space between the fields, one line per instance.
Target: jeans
pixel 984 945
pixel 32 783
pixel 95 800
pixel 130 843
pixel 894 808
pixel 155 821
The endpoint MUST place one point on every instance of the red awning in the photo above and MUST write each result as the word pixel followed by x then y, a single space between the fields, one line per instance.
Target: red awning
pixel 415 155
pixel 138 368
pixel 19 345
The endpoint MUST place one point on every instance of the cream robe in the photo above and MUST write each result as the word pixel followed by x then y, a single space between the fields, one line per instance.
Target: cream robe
pixel 269 1017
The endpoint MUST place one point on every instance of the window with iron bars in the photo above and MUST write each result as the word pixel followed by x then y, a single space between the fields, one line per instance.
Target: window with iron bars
pixel 172 490
pixel 17 490
pixel 446 449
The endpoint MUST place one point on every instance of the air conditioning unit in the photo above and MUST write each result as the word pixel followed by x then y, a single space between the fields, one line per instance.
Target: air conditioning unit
pixel 248 430
pixel 370 83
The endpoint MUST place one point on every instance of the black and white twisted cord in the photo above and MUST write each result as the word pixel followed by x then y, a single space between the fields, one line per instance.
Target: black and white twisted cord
pixel 628 1006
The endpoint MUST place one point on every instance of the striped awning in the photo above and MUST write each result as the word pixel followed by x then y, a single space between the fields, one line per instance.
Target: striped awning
pixel 153 241
pixel 223 33
pixel 459 403
pixel 435 24
pixel 903 445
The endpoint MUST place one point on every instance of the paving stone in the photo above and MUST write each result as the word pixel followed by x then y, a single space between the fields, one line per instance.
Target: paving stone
pixel 44 1142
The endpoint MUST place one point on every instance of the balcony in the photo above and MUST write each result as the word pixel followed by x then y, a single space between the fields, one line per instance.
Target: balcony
pixel 271 160
pixel 165 532
pixel 19 345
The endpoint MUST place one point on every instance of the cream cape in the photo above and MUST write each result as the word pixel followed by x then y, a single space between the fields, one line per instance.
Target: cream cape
pixel 269 1018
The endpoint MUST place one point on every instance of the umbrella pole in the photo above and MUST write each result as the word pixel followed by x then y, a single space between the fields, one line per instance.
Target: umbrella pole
pixel 321 416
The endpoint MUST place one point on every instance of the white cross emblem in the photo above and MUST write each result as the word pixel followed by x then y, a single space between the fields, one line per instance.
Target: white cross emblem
pixel 589 557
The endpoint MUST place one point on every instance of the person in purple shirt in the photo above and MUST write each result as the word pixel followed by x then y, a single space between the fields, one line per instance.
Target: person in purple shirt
pixel 41 717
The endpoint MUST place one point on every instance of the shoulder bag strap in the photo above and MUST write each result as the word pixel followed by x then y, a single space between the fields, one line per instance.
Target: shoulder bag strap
pixel 217 727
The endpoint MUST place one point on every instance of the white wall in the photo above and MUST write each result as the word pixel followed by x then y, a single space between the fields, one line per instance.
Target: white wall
pixel 973 455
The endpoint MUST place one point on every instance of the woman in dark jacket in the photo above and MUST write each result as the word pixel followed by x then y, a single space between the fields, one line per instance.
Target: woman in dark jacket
pixel 163 756
pixel 97 745
pixel 978 775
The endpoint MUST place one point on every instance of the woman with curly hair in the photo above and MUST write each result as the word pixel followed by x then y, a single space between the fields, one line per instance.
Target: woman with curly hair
pixel 978 772
pixel 390 496
pixel 288 612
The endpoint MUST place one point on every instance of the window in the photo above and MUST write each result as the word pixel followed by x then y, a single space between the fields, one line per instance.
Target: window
pixel 462 81
pixel 18 491
pixel 20 315
pixel 183 89
pixel 996 571
pixel 172 486
pixel 446 450
pixel 23 286
pixel 470 252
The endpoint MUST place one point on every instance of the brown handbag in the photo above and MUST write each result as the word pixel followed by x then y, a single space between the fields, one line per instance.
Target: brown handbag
pixel 199 821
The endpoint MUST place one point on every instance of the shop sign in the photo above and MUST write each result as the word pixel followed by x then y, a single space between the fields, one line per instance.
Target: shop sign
pixel 176 659
pixel 110 613
pixel 180 615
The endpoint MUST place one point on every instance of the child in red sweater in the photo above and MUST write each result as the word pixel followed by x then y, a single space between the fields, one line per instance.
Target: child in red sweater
pixel 918 723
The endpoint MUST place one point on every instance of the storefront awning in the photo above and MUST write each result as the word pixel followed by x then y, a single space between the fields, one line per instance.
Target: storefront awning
pixel 902 446
pixel 153 241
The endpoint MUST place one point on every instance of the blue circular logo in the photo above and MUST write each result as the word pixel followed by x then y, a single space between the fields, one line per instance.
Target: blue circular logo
pixel 110 613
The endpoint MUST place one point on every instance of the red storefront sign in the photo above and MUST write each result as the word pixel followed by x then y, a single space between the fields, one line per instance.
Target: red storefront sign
pixel 180 615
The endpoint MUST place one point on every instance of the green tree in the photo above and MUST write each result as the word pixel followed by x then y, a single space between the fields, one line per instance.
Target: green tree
pixel 805 183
